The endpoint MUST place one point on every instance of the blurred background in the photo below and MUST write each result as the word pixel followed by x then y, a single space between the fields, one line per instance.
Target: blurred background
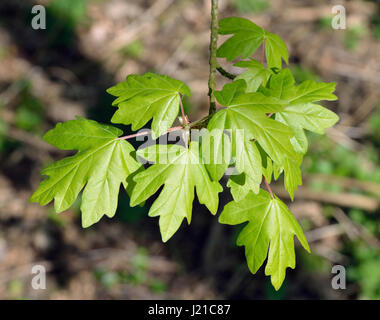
pixel 53 75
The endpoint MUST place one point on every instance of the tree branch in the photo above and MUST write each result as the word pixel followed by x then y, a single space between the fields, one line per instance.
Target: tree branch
pixel 201 123
pixel 268 187
pixel 263 52
pixel 225 73
pixel 213 62
pixel 145 133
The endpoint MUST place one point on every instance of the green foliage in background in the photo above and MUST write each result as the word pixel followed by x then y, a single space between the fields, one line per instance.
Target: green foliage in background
pixel 352 37
pixel 71 11
pixel 27 112
pixel 134 49
pixel 365 270
pixel 257 6
pixel 136 275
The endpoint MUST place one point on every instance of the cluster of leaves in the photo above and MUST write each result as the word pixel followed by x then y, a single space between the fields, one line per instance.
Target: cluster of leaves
pixel 259 131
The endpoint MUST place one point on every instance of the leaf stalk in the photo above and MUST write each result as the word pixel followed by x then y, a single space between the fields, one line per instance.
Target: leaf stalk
pixel 147 133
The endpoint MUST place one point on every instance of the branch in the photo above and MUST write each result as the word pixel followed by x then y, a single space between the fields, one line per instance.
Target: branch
pixel 201 123
pixel 268 187
pixel 225 73
pixel 145 133
pixel 263 52
pixel 213 62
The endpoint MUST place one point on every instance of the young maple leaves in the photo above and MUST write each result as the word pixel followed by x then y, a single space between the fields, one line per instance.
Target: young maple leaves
pixel 102 163
pixel 270 221
pixel 259 131
pixel 180 169
pixel 141 98
pixel 247 38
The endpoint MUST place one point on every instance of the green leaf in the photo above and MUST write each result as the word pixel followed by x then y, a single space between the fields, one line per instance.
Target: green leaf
pixel 282 86
pixel 277 170
pixel 216 153
pixel 275 49
pixel 239 186
pixel 299 141
pixel 233 96
pixel 300 112
pixel 180 170
pixel 141 98
pixel 255 75
pixel 230 92
pixel 268 169
pixel 102 163
pixel 292 175
pixel 247 113
pixel 271 225
pixel 247 162
pixel 247 38
pixel 309 116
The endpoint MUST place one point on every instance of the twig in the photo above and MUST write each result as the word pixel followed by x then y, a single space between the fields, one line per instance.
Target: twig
pixel 146 133
pixel 263 52
pixel 201 123
pixel 213 62
pixel 268 187
pixel 225 73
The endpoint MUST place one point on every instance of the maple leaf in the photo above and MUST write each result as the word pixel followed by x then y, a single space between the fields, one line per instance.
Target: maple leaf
pixel 247 38
pixel 102 163
pixel 282 86
pixel 245 118
pixel 180 170
pixel 247 112
pixel 141 98
pixel 292 175
pixel 256 74
pixel 308 116
pixel 300 113
pixel 247 166
pixel 216 153
pixel 267 167
pixel 270 225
